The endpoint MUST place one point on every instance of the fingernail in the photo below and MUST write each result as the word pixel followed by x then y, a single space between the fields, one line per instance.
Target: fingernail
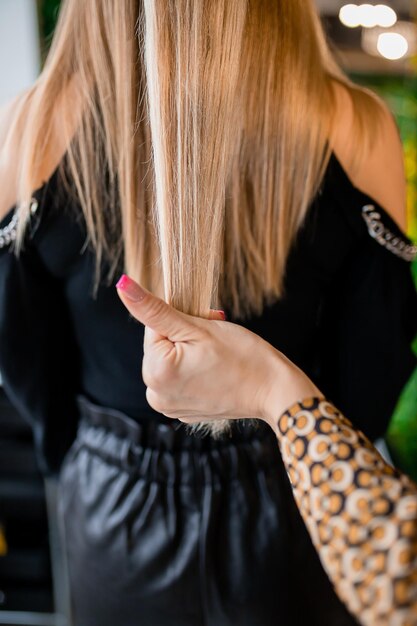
pixel 222 314
pixel 131 289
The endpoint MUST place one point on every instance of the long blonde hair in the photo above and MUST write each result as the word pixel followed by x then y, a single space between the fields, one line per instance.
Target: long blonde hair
pixel 203 139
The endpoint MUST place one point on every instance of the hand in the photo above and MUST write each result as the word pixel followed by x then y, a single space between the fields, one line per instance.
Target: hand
pixel 201 370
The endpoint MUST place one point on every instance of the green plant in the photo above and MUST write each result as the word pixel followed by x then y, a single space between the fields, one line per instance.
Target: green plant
pixel 48 13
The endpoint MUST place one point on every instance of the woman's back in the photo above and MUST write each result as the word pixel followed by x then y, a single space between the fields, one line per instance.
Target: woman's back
pixel 165 527
pixel 323 306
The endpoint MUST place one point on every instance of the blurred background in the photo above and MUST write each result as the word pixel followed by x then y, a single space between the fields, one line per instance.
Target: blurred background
pixel 377 46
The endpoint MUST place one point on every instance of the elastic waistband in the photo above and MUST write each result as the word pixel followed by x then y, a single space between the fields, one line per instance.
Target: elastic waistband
pixel 169 452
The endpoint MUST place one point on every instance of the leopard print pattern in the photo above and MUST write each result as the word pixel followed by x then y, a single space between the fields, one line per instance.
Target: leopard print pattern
pixel 360 512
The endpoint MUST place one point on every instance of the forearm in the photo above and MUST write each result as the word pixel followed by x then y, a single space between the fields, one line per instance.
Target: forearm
pixel 360 512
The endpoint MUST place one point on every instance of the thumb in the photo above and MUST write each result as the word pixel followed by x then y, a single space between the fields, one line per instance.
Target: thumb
pixel 152 311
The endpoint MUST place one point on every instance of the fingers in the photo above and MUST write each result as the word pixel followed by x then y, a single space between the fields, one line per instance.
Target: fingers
pixel 152 311
pixel 216 314
pixel 170 407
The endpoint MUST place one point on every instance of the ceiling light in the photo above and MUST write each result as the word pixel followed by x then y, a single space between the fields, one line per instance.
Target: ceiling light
pixel 385 16
pixel 367 15
pixel 394 43
pixel 392 46
pixel 349 15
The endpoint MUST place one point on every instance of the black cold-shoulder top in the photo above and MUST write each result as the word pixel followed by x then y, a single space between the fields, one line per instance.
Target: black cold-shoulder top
pixel 348 316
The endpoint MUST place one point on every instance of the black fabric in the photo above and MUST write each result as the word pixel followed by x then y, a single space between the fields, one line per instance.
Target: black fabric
pixel 38 356
pixel 349 313
pixel 347 318
pixel 162 528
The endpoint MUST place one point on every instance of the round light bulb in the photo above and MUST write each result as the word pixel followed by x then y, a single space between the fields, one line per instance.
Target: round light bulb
pixel 367 16
pixel 349 15
pixel 392 46
pixel 385 16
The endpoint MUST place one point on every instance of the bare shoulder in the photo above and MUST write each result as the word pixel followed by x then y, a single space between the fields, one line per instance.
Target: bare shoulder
pixel 8 156
pixel 66 116
pixel 381 174
pixel 6 119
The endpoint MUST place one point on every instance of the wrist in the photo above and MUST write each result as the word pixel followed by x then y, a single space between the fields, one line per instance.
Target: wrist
pixel 286 385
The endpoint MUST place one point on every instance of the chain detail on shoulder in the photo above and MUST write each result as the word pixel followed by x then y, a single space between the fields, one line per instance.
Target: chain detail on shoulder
pixel 392 242
pixel 8 232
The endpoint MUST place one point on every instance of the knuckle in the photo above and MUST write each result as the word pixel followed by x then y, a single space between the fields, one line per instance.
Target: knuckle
pixel 156 401
pixel 156 373
pixel 150 378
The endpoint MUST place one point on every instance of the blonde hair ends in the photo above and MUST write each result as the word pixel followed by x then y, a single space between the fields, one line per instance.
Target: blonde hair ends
pixel 200 139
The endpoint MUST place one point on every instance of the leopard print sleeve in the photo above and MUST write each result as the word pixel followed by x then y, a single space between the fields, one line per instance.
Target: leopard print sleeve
pixel 360 512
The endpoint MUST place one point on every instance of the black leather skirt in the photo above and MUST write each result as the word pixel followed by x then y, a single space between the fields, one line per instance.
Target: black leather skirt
pixel 166 528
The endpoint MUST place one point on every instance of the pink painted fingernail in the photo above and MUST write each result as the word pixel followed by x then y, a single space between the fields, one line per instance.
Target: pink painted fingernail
pixel 132 290
pixel 222 314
